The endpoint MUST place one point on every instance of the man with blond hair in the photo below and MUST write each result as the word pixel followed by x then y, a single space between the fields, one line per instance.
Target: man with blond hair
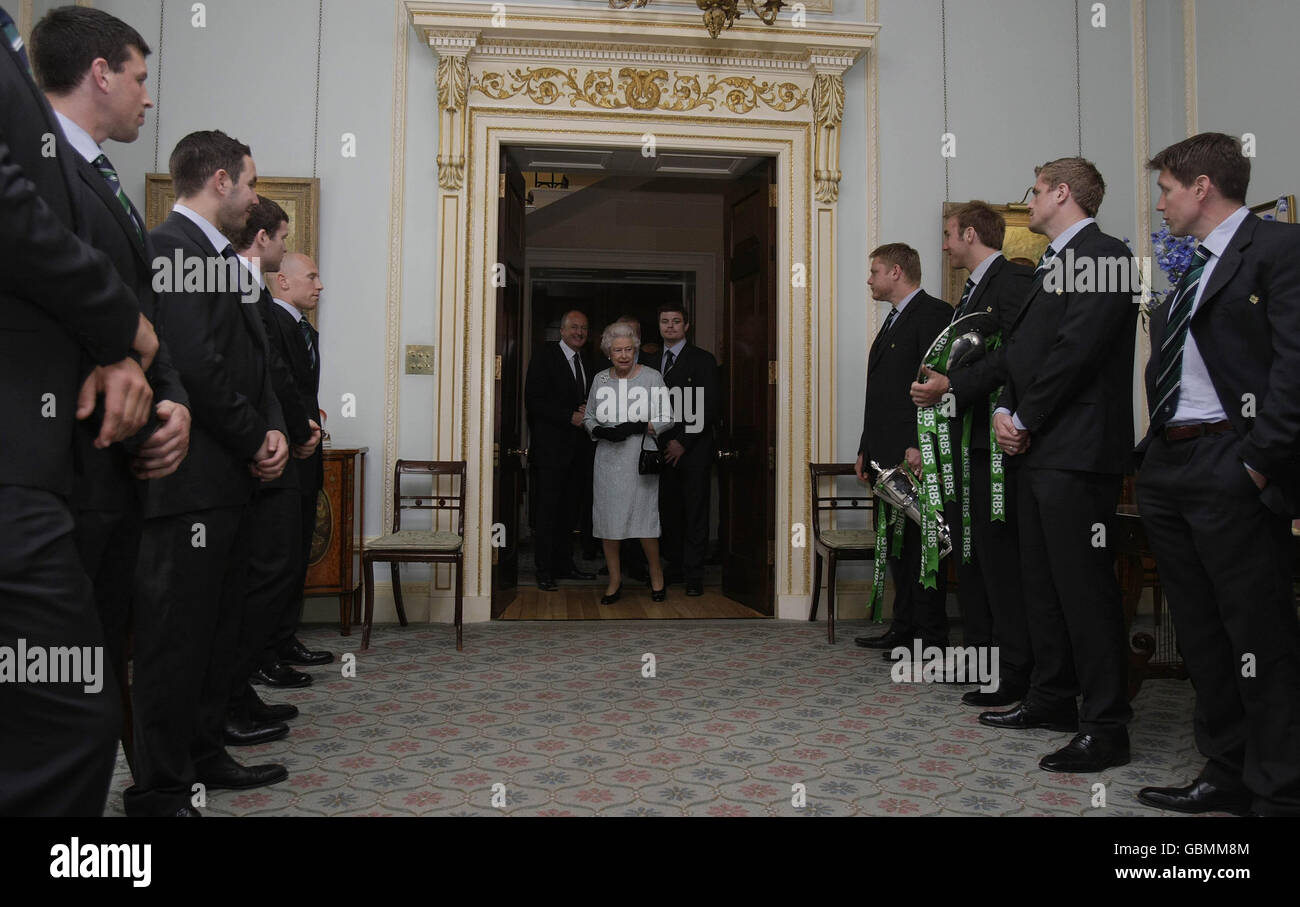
pixel 1067 413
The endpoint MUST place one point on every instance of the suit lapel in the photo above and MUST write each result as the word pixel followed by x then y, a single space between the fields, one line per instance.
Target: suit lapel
pixel 878 347
pixel 92 178
pixel 1228 264
pixel 1037 286
pixel 980 288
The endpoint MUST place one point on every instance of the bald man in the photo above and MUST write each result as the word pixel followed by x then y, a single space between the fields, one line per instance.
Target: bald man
pixel 295 291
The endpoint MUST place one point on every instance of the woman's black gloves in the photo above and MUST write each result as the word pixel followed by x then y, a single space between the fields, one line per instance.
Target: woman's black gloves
pixel 620 432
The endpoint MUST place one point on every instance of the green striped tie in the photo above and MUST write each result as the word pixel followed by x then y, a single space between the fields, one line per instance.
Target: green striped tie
pixel 1170 374
pixel 965 298
pixel 106 170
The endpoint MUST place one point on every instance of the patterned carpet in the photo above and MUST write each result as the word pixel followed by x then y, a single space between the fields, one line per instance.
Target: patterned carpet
pixel 738 713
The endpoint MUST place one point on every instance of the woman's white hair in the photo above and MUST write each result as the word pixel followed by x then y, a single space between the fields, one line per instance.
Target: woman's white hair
pixel 618 330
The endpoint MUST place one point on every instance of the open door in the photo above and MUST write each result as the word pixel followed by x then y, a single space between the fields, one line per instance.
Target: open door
pixel 508 473
pixel 747 442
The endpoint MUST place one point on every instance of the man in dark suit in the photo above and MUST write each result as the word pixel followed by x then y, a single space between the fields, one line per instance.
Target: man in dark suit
pixel 915 319
pixel 273 574
pixel 688 449
pixel 989 588
pixel 194 552
pixel 295 291
pixel 92 68
pixel 61 299
pixel 1220 479
pixel 1067 412
pixel 555 398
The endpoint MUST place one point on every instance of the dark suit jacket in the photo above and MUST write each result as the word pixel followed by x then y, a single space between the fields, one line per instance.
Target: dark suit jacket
pixel 58 296
pixel 219 346
pixel 1001 293
pixel 694 369
pixel 286 339
pixel 1247 328
pixel 550 399
pixel 105 481
pixel 1069 363
pixel 889 417
pixel 293 404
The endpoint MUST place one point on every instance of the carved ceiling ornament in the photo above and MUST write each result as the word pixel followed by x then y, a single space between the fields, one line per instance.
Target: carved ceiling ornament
pixel 641 89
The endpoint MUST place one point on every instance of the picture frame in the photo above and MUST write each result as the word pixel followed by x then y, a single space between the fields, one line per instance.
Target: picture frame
pixel 1282 209
pixel 1018 244
pixel 298 196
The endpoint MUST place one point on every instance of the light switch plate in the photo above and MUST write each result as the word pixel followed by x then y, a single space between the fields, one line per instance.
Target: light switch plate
pixel 419 360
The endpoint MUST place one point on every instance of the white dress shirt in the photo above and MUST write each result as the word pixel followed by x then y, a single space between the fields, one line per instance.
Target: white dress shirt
pixel 675 349
pixel 288 307
pixel 79 139
pixel 1197 399
pixel 215 236
pixel 981 269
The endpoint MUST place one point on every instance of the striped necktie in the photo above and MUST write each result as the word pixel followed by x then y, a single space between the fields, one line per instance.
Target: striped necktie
pixel 1046 261
pixel 669 359
pixel 308 336
pixel 1170 375
pixel 965 298
pixel 15 40
pixel 889 322
pixel 105 168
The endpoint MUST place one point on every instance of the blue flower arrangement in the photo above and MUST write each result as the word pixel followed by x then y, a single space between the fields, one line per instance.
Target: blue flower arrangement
pixel 1173 256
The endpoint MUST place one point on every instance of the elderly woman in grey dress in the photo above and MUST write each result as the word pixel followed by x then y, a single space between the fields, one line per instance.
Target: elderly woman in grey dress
pixel 627 403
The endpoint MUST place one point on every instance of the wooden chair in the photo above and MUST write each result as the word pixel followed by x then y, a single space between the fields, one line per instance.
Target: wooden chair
pixel 424 546
pixel 837 544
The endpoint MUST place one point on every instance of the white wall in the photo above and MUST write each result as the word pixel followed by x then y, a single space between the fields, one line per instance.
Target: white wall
pixel 1247 72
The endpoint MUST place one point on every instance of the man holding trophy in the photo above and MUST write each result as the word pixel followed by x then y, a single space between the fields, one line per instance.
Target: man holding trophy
pixel 889 432
pixel 988 570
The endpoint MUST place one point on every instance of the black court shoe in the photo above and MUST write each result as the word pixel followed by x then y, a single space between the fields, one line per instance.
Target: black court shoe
pixel 659 595
pixel 613 597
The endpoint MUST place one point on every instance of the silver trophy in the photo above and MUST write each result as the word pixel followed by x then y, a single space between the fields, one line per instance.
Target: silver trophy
pixel 967 337
pixel 899 487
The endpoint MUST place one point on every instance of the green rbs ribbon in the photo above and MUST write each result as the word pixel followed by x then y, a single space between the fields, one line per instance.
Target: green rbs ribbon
pixel 887 542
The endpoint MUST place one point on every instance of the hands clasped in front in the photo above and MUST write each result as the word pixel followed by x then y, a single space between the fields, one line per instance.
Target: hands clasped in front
pixel 1012 440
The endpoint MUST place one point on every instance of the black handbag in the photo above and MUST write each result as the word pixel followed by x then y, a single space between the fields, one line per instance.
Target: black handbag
pixel 651 462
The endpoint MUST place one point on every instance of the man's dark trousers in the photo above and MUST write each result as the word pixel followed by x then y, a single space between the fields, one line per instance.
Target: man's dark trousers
pixel 69 734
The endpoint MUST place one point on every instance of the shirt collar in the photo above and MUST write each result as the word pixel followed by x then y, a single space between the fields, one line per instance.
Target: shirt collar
pixel 288 307
pixel 79 138
pixel 569 352
pixel 983 268
pixel 676 349
pixel 1217 241
pixel 215 236
pixel 253 269
pixel 906 299
pixel 1069 233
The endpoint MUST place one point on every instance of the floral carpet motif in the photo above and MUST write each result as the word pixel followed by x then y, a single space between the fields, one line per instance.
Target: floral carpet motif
pixel 741 718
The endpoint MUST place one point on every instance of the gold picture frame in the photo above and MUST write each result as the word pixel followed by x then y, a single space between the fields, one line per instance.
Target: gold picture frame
pixel 298 196
pixel 1018 244
pixel 1282 209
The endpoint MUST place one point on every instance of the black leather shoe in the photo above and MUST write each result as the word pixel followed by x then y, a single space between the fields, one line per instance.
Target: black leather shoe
pixel 241 731
pixel 281 676
pixel 693 587
pixel 224 773
pixel 1088 753
pixel 295 653
pixel 1023 718
pixel 998 698
pixel 659 595
pixel 890 639
pixel 546 584
pixel 612 597
pixel 1198 797
pixel 187 812
pixel 264 713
